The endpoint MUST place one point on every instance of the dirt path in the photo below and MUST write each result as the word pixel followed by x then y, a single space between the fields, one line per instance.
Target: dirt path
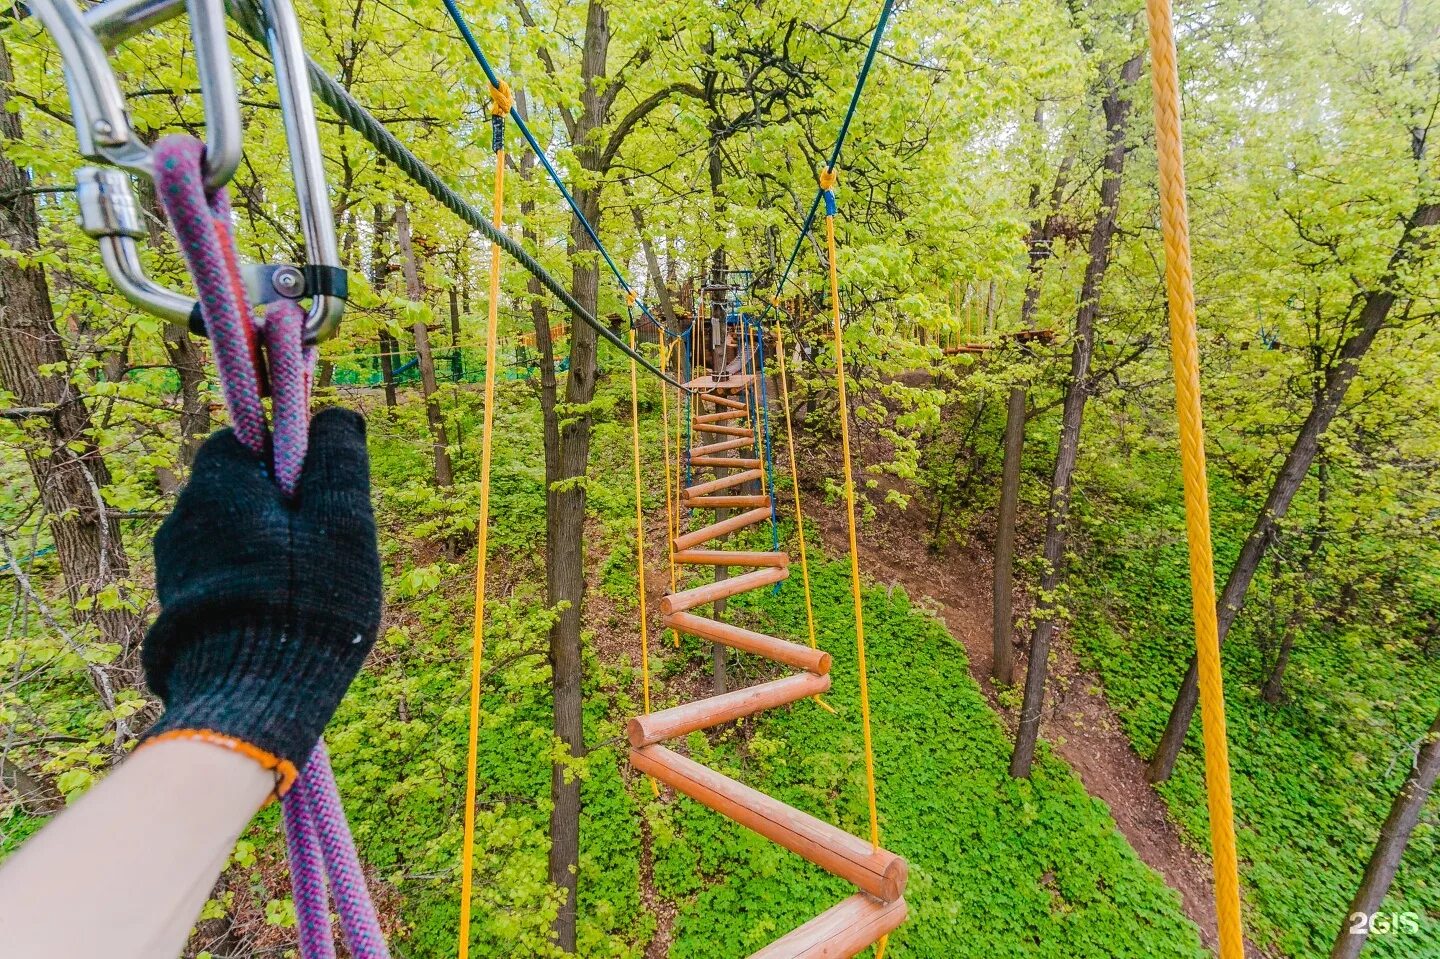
pixel 1079 724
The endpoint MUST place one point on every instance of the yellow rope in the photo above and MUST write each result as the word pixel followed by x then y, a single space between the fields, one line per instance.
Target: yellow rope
pixel 500 96
pixel 1184 353
pixel 795 486
pixel 671 531
pixel 640 535
pixel 844 413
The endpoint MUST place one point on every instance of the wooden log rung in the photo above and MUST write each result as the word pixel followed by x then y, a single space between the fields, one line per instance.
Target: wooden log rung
pixel 716 530
pixel 876 871
pixel 723 430
pixel 842 931
pixel 725 462
pixel 726 707
pixel 721 589
pixel 722 416
pixel 726 502
pixel 724 482
pixel 731 557
pixel 723 401
pixel 724 446
pixel 736 637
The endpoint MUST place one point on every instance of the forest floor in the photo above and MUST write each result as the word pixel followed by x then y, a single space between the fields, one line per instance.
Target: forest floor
pixel 1079 725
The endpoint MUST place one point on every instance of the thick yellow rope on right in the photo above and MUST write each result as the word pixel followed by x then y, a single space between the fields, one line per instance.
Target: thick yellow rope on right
pixel 844 414
pixel 1185 355
pixel 500 96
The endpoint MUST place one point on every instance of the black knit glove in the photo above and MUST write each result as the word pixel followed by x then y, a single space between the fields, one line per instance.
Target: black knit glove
pixel 268 606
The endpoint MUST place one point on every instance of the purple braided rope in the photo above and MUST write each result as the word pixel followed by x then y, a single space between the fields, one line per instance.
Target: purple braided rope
pixel 307 879
pixel 342 865
pixel 202 227
pixel 316 830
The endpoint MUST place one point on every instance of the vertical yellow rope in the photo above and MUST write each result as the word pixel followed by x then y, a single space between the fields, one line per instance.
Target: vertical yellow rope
pixel 1185 356
pixel 639 521
pixel 795 486
pixel 500 100
pixel 827 182
pixel 670 527
pixel 640 535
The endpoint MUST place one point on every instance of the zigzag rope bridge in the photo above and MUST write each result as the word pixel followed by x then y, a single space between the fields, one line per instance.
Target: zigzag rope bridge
pixel 878 906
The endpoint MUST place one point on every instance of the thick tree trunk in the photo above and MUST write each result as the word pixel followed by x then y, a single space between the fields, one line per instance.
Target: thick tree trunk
pixel 1117 106
pixel 1394 835
pixel 566 494
pixel 1373 316
pixel 439 443
pixel 68 470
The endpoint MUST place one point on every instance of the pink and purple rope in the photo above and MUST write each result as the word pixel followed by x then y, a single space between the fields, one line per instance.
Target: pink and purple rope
pixel 317 833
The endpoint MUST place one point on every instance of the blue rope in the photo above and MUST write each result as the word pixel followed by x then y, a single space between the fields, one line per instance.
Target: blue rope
pixel 524 128
pixel 864 75
pixel 763 401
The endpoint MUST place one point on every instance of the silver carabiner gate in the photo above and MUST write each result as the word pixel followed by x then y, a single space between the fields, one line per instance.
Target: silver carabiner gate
pixel 108 210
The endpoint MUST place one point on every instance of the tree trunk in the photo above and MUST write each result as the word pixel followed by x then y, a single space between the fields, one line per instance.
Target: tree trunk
pixel 565 491
pixel 439 443
pixel 1042 237
pixel 1004 666
pixel 1394 835
pixel 652 266
pixel 68 470
pixel 379 278
pixel 1373 315
pixel 36 793
pixel 1117 106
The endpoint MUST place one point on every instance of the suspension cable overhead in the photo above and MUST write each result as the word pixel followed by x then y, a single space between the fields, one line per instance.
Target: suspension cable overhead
pixel 479 53
pixel 363 122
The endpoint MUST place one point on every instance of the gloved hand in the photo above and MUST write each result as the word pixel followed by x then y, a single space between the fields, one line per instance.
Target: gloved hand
pixel 268 606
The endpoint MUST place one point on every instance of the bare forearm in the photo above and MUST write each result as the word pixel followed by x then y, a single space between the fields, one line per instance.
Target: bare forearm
pixel 125 871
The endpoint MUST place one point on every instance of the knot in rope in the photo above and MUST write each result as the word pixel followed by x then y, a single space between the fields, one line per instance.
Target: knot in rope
pixel 828 178
pixel 502 99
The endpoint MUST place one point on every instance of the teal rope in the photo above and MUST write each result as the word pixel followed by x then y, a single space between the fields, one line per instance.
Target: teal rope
pixel 475 49
pixel 875 39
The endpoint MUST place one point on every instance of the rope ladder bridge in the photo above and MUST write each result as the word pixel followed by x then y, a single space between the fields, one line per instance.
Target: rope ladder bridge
pixel 721 429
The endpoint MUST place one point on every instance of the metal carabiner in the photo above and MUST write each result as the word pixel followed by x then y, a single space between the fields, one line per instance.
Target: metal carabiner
pixel 108 209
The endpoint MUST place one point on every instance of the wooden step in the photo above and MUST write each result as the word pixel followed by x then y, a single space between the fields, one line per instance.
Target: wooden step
pixel 723 401
pixel 704 713
pixel 730 557
pixel 780 650
pixel 725 502
pixel 724 446
pixel 724 430
pixel 725 462
pixel 721 589
pixel 724 482
pixel 716 530
pixel 878 872
pixel 705 384
pixel 722 416
pixel 839 932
